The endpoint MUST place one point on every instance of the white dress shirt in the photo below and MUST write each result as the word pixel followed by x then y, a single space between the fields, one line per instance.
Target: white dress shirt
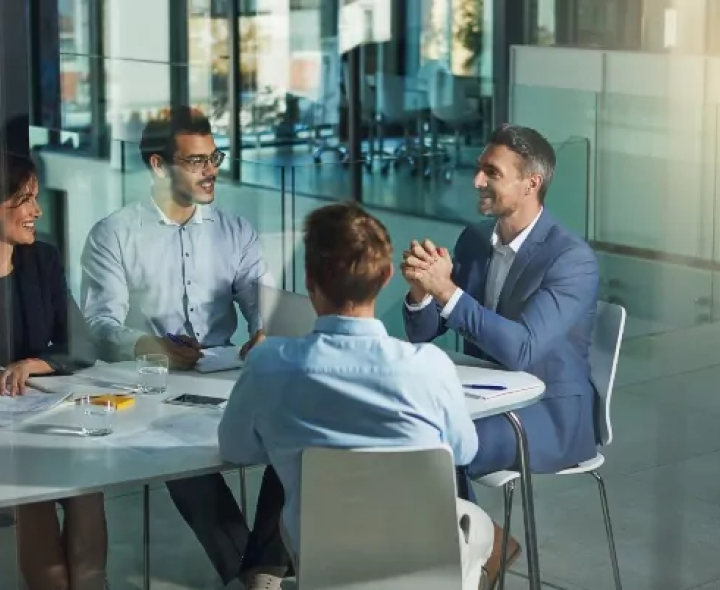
pixel 502 260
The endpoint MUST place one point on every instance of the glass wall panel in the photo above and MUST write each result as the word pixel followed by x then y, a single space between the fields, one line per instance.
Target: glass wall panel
pixel 74 45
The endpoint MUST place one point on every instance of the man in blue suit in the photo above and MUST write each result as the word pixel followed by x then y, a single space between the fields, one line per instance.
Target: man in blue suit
pixel 521 290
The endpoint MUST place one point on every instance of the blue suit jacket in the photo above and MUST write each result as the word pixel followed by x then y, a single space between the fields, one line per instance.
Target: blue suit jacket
pixel 542 325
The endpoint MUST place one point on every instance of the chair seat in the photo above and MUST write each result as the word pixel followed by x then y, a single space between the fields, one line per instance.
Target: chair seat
pixel 500 478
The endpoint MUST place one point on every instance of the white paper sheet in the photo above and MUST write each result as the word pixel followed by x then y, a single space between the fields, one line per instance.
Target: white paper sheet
pixel 21 407
pixel 221 358
pixel 512 381
pixel 485 394
pixel 186 432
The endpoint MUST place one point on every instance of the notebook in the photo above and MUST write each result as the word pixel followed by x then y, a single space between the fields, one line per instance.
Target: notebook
pixel 221 358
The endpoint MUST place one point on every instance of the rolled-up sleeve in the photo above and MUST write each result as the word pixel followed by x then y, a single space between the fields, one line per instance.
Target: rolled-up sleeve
pixel 104 295
pixel 252 271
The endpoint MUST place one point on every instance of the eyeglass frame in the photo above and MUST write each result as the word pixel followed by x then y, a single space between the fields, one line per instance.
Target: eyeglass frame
pixel 198 163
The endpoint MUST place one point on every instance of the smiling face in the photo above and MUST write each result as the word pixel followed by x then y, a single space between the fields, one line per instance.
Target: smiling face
pixel 500 180
pixel 18 215
pixel 193 169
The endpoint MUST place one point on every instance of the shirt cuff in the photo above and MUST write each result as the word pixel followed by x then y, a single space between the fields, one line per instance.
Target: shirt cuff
pixel 452 302
pixel 418 306
pixel 126 342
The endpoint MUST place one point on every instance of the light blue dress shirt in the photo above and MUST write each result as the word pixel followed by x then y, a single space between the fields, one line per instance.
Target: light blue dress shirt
pixel 145 274
pixel 350 385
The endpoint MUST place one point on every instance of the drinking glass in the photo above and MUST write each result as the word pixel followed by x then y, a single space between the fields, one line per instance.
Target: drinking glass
pixel 152 373
pixel 95 419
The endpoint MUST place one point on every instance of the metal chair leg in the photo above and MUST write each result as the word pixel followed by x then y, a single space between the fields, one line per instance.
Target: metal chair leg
pixel 608 528
pixel 508 490
pixel 243 493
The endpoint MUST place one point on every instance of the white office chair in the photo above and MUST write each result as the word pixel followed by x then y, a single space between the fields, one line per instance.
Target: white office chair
pixel 379 519
pixel 604 353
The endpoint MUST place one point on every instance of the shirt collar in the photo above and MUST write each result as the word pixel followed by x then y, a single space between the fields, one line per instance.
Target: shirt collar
pixel 336 324
pixel 201 212
pixel 519 240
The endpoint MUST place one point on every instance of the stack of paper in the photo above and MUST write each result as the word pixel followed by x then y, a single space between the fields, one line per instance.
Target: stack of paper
pixel 21 407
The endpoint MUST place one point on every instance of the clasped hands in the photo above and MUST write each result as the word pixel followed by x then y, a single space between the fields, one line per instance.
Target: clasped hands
pixel 428 270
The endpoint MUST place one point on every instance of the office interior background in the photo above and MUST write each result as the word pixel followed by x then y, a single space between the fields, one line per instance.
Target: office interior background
pixel 626 90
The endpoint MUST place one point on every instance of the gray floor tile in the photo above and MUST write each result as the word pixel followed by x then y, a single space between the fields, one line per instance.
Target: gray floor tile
pixel 666 540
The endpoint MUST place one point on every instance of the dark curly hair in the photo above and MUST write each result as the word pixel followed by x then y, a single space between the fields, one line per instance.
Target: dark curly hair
pixel 16 172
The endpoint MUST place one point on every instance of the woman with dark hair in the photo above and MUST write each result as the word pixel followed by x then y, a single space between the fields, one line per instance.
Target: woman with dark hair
pixel 41 332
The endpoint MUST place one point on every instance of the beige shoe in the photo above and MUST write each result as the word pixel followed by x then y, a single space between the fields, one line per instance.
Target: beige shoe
pixel 264 578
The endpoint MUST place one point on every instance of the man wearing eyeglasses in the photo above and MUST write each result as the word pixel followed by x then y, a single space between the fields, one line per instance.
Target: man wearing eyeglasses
pixel 163 275
pixel 172 263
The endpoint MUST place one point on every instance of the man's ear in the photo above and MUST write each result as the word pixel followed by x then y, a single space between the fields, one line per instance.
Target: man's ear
pixel 388 275
pixel 157 164
pixel 535 182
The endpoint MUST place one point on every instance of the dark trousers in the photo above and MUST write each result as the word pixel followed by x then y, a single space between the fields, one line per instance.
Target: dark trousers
pixel 209 508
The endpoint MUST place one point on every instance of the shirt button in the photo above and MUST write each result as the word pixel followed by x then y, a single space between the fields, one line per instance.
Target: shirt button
pixel 187 255
pixel 189 282
pixel 192 309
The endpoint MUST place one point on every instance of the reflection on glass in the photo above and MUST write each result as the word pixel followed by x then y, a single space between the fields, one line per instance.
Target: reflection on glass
pixel 208 51
pixel 74 33
pixel 458 33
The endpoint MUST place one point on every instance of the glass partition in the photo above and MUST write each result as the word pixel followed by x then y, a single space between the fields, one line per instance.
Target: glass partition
pixel 77 192
pixel 402 228
pixel 569 195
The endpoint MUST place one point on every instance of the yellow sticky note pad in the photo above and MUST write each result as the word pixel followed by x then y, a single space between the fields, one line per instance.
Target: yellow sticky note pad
pixel 121 402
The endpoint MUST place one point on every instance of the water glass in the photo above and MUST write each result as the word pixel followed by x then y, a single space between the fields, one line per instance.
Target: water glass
pixel 152 373
pixel 95 419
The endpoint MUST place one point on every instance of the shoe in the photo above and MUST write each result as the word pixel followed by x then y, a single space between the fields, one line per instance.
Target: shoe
pixel 264 578
pixel 493 564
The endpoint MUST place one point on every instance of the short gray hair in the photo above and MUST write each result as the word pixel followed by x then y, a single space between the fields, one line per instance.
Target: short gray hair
pixel 537 155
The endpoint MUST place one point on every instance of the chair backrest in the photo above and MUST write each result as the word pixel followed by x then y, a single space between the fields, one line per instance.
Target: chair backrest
pixel 285 313
pixel 604 353
pixel 398 97
pixel 380 519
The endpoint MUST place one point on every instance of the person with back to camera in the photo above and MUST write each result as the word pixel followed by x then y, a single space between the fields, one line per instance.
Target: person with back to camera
pixel 348 384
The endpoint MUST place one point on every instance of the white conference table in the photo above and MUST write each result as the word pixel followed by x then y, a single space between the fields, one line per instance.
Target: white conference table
pixel 46 457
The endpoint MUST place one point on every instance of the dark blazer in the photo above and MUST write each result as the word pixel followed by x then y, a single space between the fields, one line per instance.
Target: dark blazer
pixel 542 325
pixel 55 330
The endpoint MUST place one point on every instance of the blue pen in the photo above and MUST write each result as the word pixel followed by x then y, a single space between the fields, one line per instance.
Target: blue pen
pixel 177 340
pixel 486 387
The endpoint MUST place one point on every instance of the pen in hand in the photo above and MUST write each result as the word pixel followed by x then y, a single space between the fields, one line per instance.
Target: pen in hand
pixel 179 341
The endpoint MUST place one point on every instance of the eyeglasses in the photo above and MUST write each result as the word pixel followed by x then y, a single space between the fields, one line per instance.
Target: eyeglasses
pixel 199 163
